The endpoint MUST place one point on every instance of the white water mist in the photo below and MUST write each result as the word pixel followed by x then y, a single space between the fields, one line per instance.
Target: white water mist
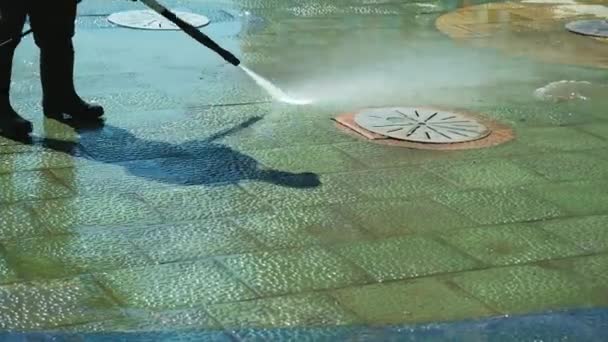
pixel 273 90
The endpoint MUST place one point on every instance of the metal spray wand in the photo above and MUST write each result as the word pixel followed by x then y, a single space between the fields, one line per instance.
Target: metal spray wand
pixel 184 26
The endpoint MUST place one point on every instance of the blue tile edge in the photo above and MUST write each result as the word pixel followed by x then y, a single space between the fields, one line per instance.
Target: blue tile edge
pixel 573 325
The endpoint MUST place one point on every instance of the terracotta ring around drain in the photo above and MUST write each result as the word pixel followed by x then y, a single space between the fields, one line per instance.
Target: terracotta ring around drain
pixel 495 133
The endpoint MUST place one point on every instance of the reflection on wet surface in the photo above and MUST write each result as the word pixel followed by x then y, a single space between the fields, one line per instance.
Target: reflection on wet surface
pixel 203 204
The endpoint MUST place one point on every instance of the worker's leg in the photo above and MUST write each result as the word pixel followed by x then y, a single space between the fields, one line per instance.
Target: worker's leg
pixel 12 20
pixel 53 24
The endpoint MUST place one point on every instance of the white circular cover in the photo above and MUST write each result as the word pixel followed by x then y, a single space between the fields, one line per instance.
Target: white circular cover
pixel 150 20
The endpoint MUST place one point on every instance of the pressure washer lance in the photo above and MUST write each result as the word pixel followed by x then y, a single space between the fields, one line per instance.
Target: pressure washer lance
pixel 192 31
pixel 184 26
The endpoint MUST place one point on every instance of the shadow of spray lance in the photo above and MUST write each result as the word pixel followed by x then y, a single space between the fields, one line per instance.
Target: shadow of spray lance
pixel 202 38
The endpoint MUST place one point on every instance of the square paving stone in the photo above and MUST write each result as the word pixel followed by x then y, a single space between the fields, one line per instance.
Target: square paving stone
pixel 593 269
pixel 512 244
pixel 599 153
pixel 380 156
pixel 113 144
pixel 18 221
pixel 578 198
pixel 299 227
pixel 525 289
pixel 396 183
pixel 304 310
pixel 174 286
pixel 560 139
pixel 498 206
pixel 408 257
pixel 318 159
pixel 142 100
pixel 90 178
pixel 332 190
pixel 64 255
pixel 46 305
pixel 144 321
pixel 291 271
pixel 18 162
pixel 67 215
pixel 24 186
pixel 424 300
pixel 589 233
pixel 567 166
pixel 183 241
pixel 485 173
pixel 598 130
pixel 200 202
pixel 7 274
pixel 385 219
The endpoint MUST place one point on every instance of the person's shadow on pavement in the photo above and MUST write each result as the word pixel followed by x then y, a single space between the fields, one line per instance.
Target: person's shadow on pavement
pixel 201 162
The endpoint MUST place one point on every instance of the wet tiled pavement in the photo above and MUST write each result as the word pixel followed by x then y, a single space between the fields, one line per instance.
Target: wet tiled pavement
pixel 203 204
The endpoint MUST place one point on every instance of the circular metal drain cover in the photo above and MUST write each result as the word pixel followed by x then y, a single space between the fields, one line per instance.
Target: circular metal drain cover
pixel 422 125
pixel 594 28
pixel 150 20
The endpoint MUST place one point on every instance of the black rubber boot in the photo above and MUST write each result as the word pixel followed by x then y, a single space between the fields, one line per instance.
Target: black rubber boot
pixel 11 123
pixel 61 102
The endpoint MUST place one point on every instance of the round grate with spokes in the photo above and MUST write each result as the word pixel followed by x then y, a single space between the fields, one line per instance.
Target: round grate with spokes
pixel 150 20
pixel 423 125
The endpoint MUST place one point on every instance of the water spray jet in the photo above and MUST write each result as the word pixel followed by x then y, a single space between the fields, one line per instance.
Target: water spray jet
pixel 202 38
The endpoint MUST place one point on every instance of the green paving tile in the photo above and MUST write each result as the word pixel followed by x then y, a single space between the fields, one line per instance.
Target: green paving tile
pixel 524 289
pixel 318 159
pixel 18 162
pixel 396 183
pixel 46 305
pixel 484 173
pixel 66 215
pixel 174 286
pixel 498 206
pixel 589 233
pixel 502 151
pixel 291 311
pixel 402 258
pixel 424 300
pixel 270 135
pixel 7 274
pixel 174 241
pixel 33 185
pixel 593 269
pixel 147 321
pixel 559 139
pixel 291 271
pixel 510 244
pixel 567 166
pixel 17 148
pixel 17 221
pixel 598 130
pixel 420 215
pixel 332 190
pixel 378 156
pixel 298 227
pixel 579 198
pixel 95 179
pixel 65 255
pixel 600 153
pixel 200 202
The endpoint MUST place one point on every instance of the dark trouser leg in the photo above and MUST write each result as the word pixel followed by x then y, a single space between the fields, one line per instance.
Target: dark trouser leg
pixel 53 24
pixel 12 20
